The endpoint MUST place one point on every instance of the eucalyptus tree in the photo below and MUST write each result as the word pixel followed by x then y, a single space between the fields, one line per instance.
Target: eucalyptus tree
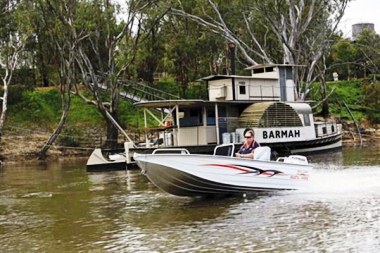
pixel 357 58
pixel 45 53
pixel 344 55
pixel 367 45
pixel 12 42
pixel 104 50
pixel 182 53
pixel 151 49
pixel 190 51
pixel 64 48
pixel 299 26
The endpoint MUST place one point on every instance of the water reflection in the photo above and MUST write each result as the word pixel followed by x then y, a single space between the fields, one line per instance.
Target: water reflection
pixel 348 157
pixel 59 207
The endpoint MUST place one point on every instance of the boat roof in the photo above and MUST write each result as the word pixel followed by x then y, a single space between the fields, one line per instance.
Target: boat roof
pixel 299 107
pixel 220 77
pixel 259 66
pixel 184 103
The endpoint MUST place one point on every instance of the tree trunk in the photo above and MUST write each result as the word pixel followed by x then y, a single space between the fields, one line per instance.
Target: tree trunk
pixel 43 67
pixel 66 106
pixel 325 105
pixel 112 135
pixel 4 108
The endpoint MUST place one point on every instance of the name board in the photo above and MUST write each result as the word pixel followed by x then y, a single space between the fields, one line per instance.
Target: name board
pixel 272 134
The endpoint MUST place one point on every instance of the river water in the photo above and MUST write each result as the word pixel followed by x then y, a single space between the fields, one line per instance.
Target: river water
pixel 59 207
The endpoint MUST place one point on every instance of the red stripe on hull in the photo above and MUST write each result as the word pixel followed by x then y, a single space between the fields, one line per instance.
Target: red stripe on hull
pixel 227 166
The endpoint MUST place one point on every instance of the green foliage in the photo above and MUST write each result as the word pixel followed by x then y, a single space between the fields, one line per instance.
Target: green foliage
pixel 129 117
pixel 15 93
pixel 349 91
pixel 344 51
pixel 372 101
pixel 197 90
pixel 343 55
pixel 357 58
pixel 169 85
pixel 368 46
pixel 22 76
pixel 353 93
pixel 82 114
pixel 37 108
pixel 189 50
pixel 42 109
pixel 34 19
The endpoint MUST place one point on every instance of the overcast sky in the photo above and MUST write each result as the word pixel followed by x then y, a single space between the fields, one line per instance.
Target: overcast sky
pixel 361 11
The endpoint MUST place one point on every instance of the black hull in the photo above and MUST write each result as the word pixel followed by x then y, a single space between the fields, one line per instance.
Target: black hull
pixel 107 167
pixel 319 145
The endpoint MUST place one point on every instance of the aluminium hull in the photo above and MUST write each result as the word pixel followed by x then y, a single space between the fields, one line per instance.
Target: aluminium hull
pixel 204 175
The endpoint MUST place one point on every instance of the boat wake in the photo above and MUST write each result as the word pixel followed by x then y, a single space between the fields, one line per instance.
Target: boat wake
pixel 354 180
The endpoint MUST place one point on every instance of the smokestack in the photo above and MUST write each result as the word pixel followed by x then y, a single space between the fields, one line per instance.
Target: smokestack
pixel 231 49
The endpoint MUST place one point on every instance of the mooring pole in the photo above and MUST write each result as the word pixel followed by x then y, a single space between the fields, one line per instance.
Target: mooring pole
pixel 356 124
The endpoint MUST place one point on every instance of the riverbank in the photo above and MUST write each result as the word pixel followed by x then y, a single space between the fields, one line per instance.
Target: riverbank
pixel 369 134
pixel 24 147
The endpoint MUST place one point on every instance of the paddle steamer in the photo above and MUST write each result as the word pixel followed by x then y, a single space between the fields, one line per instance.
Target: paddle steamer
pixel 264 101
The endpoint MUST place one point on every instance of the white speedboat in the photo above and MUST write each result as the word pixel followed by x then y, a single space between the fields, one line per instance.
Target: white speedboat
pixel 202 175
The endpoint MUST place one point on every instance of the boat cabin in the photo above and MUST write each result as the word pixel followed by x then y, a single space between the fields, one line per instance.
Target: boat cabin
pixel 266 83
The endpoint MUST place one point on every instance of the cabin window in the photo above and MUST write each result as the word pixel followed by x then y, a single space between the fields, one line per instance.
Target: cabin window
pixel 222 112
pixel 324 130
pixel 192 117
pixel 260 70
pixel 269 69
pixel 332 129
pixel 194 112
pixel 210 116
pixel 289 73
pixel 306 119
pixel 242 88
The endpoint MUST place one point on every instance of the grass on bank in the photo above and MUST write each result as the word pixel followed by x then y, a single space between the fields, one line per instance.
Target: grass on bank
pixel 361 96
pixel 39 111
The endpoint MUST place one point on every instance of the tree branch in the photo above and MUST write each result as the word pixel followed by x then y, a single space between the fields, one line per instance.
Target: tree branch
pixel 323 100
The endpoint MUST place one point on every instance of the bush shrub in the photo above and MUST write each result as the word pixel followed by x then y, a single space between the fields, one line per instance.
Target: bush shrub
pixel 372 101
